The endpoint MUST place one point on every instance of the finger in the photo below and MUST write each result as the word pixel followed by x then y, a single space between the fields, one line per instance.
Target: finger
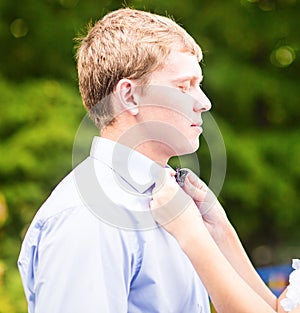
pixel 169 177
pixel 194 186
pixel 170 171
pixel 198 194
pixel 163 183
pixel 195 180
pixel 190 176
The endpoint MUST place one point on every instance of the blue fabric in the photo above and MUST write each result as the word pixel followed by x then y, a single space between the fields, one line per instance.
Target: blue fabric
pixel 93 246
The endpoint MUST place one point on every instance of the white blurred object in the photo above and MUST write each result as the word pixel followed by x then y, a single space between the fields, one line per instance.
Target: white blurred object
pixel 292 298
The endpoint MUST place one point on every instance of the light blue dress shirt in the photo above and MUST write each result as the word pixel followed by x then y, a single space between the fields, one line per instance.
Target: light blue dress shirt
pixel 93 246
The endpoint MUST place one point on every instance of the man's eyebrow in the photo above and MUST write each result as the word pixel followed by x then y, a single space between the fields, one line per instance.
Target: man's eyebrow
pixel 188 78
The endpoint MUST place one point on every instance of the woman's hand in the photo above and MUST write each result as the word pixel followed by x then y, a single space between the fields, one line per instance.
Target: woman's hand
pixel 173 208
pixel 296 310
pixel 209 207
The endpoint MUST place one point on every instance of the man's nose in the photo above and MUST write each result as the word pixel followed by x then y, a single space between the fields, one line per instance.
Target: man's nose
pixel 202 103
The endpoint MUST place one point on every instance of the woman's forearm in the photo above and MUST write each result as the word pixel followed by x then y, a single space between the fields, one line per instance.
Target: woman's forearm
pixel 224 235
pixel 230 245
pixel 228 291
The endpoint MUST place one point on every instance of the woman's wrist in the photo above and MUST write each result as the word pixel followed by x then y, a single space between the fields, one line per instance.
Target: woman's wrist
pixel 222 230
pixel 187 236
pixel 188 226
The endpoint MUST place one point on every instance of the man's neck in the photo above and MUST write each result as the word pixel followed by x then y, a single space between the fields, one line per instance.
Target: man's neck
pixel 153 150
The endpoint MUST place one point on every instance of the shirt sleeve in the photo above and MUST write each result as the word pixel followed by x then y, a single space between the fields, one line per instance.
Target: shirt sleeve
pixel 79 265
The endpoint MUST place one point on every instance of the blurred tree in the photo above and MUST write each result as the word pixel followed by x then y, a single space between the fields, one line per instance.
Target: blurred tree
pixel 41 118
pixel 38 35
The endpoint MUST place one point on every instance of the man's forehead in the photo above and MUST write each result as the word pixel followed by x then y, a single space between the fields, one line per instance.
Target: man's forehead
pixel 182 66
pixel 185 72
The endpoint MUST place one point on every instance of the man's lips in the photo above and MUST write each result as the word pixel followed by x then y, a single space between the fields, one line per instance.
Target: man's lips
pixel 197 127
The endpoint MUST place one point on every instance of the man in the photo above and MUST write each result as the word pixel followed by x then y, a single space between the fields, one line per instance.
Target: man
pixel 93 246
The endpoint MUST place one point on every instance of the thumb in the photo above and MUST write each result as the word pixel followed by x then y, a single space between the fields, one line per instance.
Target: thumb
pixel 194 186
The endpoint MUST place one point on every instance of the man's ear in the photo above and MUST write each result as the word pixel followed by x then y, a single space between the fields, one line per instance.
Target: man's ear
pixel 125 93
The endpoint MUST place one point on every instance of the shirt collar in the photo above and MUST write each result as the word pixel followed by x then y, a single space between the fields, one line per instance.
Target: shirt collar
pixel 137 169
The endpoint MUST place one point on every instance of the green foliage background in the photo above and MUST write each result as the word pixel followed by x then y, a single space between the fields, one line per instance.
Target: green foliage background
pixel 251 69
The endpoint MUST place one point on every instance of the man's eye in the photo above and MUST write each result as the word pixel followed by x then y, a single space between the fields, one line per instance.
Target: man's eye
pixel 185 87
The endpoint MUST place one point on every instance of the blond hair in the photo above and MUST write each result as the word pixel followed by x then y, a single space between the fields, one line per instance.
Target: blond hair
pixel 126 43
